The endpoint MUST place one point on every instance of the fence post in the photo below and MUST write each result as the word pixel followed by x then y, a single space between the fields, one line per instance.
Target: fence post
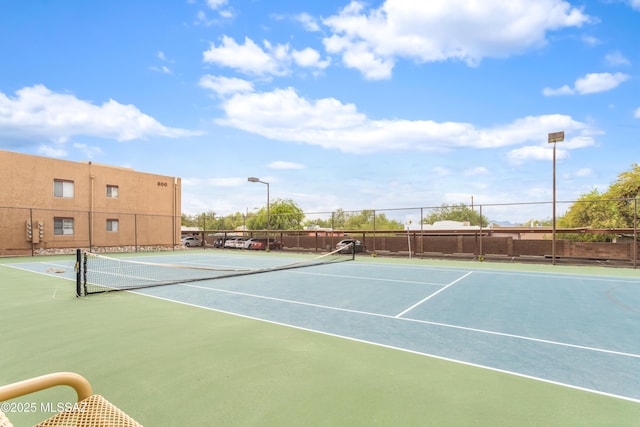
pixel 635 232
pixel 480 255
pixel 135 232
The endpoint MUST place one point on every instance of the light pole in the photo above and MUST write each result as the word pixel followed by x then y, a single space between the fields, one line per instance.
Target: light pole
pixel 254 179
pixel 553 138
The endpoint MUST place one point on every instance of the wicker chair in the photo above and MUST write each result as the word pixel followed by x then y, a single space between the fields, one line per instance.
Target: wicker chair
pixel 91 409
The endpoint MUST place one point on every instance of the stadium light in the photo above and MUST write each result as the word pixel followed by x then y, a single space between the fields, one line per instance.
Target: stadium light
pixel 254 179
pixel 553 138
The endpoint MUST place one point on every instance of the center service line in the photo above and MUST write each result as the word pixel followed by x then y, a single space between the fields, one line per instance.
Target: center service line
pixel 432 295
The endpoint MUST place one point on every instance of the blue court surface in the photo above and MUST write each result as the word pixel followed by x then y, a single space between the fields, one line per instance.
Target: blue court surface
pixel 577 330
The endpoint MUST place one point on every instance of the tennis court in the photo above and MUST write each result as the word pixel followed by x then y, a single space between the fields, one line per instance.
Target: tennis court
pixel 487 344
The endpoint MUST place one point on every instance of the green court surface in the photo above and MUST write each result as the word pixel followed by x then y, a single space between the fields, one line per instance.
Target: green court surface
pixel 171 364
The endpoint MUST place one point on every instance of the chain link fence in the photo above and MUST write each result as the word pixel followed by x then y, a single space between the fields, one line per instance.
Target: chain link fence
pixel 513 231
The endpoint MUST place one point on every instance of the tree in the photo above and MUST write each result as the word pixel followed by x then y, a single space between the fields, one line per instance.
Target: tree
pixel 457 212
pixel 283 215
pixel 363 220
pixel 615 208
pixel 369 220
pixel 230 222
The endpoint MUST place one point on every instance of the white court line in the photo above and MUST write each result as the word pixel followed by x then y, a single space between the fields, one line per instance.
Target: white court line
pixel 490 368
pixel 404 319
pixel 432 295
pixel 376 279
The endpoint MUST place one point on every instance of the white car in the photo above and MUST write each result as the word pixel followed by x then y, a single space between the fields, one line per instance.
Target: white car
pixel 189 241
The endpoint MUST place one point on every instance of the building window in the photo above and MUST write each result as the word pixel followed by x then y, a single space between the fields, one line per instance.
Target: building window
pixel 62 188
pixel 62 226
pixel 113 224
pixel 112 191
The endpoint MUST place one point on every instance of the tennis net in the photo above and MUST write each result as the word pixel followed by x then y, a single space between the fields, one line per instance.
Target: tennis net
pixel 101 273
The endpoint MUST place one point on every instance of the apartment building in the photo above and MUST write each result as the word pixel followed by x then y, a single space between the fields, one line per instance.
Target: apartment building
pixel 49 203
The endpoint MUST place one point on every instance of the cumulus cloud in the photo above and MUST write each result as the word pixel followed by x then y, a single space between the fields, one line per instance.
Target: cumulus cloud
pixel 285 116
pixel 370 40
pixel 225 85
pixel 248 58
pixel 267 60
pixel 591 83
pixel 309 58
pixel 308 22
pixel 636 114
pixel 39 113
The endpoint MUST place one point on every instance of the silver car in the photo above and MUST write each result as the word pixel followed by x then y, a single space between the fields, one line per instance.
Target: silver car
pixel 189 241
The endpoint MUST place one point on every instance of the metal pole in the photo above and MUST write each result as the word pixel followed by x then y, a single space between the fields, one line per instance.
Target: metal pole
pixel 552 139
pixel 268 217
pixel 635 232
pixel 553 219
pixel 480 256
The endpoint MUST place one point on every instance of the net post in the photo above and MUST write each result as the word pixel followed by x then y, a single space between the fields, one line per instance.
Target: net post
pixel 78 273
pixel 353 251
pixel 84 274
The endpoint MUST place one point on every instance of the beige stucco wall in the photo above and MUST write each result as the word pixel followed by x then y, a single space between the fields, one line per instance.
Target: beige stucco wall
pixel 147 207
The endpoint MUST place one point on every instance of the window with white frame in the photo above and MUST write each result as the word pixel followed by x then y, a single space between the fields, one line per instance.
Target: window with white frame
pixel 63 226
pixel 113 224
pixel 62 188
pixel 112 191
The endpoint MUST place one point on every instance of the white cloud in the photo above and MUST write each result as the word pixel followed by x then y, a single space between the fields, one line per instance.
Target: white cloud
pixel 49 151
pixel 216 4
pixel 616 58
pixel 225 85
pixel 308 22
pixel 309 58
pixel 635 4
pixel 279 164
pixel 285 116
pixel 248 58
pixel 269 60
pixel 636 114
pixel 599 82
pixel 564 90
pixel 89 152
pixel 39 113
pixel 370 40
pixel 162 69
pixel 591 83
pixel 530 152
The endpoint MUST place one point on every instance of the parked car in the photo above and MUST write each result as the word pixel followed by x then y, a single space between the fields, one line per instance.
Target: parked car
pixel 235 242
pixel 349 246
pixel 250 243
pixel 189 241
pixel 230 243
pixel 221 242
pixel 259 244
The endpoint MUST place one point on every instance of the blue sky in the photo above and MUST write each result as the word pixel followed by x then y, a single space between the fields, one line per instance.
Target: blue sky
pixel 337 104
